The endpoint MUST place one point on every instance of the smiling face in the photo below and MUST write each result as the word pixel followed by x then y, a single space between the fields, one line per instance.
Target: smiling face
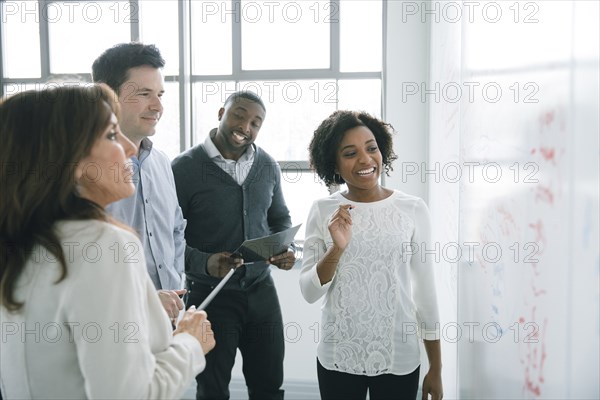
pixel 359 161
pixel 104 176
pixel 140 98
pixel 241 119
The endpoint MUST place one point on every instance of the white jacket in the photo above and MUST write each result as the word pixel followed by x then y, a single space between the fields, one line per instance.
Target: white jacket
pixel 101 332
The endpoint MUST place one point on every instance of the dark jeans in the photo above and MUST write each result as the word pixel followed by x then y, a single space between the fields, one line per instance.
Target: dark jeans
pixel 340 385
pixel 251 321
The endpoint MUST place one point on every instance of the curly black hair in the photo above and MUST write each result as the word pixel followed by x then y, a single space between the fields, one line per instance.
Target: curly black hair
pixel 328 136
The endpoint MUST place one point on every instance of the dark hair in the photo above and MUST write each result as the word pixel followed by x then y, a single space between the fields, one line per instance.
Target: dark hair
pixel 44 135
pixel 328 136
pixel 244 94
pixel 112 67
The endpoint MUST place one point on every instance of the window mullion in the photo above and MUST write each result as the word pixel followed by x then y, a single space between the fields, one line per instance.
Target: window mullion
pixel 236 39
pixel 1 54
pixel 384 60
pixel 299 165
pixel 334 44
pixel 134 23
pixel 287 74
pixel 334 39
pixel 44 43
pixel 185 70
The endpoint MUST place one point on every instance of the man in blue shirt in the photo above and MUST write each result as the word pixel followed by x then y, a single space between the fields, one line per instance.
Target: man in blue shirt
pixel 133 71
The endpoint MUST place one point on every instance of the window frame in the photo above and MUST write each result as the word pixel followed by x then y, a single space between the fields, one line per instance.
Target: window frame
pixel 186 79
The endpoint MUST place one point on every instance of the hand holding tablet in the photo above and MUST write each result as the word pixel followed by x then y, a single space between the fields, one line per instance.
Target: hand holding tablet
pixel 263 248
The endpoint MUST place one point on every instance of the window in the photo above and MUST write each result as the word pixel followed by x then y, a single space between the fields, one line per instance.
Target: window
pixel 71 25
pixel 285 35
pixel 305 58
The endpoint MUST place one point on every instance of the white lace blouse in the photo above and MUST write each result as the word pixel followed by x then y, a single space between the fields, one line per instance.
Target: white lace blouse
pixel 382 298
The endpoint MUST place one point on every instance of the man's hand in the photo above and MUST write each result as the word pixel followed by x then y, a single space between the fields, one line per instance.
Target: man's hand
pixel 172 303
pixel 284 260
pixel 219 264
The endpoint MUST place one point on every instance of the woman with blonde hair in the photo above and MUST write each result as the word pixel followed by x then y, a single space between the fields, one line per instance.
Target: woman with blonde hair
pixel 80 316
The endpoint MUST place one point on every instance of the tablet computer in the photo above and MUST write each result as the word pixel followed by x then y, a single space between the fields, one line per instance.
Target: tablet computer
pixel 263 248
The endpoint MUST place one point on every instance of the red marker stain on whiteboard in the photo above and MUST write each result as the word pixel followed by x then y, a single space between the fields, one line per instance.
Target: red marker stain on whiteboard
pixel 548 153
pixel 547 118
pixel 535 359
pixel 544 194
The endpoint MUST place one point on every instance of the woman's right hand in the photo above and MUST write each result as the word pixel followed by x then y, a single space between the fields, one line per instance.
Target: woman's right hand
pixel 196 323
pixel 340 226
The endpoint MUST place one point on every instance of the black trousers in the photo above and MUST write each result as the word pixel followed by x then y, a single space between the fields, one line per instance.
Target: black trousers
pixel 340 385
pixel 251 321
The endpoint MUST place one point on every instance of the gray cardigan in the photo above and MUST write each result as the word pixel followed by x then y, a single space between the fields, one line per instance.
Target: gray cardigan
pixel 221 214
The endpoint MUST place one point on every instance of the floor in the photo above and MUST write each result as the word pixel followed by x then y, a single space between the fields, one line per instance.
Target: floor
pixel 293 390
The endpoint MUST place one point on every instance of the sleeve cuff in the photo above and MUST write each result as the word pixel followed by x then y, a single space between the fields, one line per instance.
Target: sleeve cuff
pixel 430 334
pixel 317 282
pixel 197 362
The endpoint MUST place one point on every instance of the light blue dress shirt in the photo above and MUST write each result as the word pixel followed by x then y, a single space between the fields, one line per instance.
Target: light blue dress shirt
pixel 154 212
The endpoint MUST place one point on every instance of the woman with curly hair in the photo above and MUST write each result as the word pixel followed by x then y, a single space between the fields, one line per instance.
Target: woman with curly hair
pixel 80 315
pixel 360 253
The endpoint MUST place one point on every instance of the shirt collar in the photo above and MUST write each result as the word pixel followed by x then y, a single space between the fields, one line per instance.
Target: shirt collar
pixel 145 149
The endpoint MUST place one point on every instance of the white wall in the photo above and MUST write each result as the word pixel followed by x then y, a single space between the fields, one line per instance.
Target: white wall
pixel 406 65
pixel 407 74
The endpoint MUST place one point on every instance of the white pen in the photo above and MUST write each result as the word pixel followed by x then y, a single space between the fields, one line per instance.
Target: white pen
pixel 216 290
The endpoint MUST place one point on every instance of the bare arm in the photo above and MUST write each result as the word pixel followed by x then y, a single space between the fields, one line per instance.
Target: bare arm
pixel 432 383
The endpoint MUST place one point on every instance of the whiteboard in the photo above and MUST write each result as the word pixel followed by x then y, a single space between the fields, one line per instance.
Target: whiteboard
pixel 520 300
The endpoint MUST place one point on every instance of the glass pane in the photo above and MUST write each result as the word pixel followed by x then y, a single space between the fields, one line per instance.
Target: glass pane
pixel 300 189
pixel 207 99
pixel 79 32
pixel 586 32
pixel 361 36
pixel 294 110
pixel 159 25
pixel 211 37
pixel 167 137
pixel 20 40
pixel 360 95
pixel 515 34
pixel 285 34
